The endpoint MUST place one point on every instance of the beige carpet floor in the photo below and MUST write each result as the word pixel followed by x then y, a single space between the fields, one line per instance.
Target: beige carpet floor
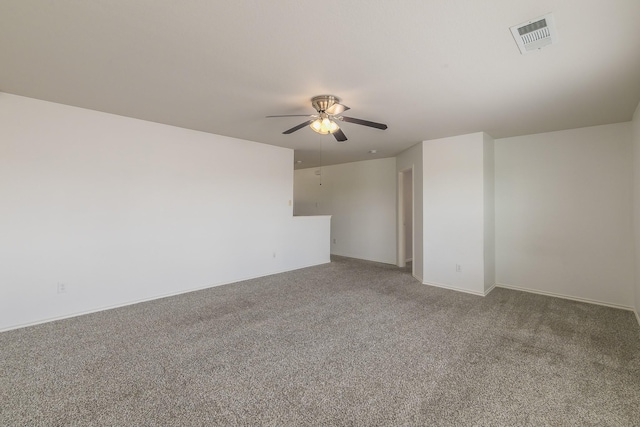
pixel 350 343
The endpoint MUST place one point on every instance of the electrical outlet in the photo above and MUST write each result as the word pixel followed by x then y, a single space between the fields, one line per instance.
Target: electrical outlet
pixel 62 288
pixel 458 268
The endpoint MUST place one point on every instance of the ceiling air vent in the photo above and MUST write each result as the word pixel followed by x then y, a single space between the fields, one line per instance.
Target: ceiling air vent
pixel 535 34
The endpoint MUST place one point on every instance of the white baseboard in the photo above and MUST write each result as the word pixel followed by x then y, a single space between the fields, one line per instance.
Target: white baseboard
pixel 467 291
pixel 408 260
pixel 569 297
pixel 453 288
pixel 637 316
pixel 488 291
pixel 171 294
pixel 381 261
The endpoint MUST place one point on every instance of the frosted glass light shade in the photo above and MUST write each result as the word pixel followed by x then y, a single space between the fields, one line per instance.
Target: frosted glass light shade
pixel 324 126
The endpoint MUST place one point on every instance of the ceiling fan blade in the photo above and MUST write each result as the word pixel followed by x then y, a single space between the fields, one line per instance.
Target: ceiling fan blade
pixel 292 115
pixel 363 122
pixel 336 109
pixel 300 126
pixel 340 136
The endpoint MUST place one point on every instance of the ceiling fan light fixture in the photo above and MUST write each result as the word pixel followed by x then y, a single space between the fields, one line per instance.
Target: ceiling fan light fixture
pixel 328 108
pixel 324 126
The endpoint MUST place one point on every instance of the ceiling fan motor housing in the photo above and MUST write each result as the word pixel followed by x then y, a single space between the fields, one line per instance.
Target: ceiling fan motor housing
pixel 323 102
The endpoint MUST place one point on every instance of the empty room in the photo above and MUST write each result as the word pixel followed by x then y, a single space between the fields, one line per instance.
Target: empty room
pixel 362 213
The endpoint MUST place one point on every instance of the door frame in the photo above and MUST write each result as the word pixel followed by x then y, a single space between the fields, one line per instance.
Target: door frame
pixel 401 255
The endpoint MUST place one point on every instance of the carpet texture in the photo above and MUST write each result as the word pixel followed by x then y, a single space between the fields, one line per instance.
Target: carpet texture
pixel 350 343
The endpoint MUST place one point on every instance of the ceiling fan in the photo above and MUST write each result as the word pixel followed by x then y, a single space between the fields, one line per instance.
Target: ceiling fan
pixel 329 110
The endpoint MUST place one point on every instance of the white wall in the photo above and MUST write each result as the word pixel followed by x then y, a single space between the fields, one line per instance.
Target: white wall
pixel 454 212
pixel 412 159
pixel 122 210
pixel 636 204
pixel 407 209
pixel 360 197
pixel 563 213
pixel 489 214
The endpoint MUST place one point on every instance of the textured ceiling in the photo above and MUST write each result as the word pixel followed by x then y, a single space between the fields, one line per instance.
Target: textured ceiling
pixel 428 69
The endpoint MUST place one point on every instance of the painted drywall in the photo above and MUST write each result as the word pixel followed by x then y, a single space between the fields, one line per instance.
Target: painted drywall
pixel 454 212
pixel 407 220
pixel 360 197
pixel 563 213
pixel 489 213
pixel 635 124
pixel 412 159
pixel 118 210
pixel 307 240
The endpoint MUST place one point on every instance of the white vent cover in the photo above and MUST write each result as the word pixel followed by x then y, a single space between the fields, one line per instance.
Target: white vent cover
pixel 535 34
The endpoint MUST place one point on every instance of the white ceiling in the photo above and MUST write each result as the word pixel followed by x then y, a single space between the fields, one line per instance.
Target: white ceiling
pixel 427 68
